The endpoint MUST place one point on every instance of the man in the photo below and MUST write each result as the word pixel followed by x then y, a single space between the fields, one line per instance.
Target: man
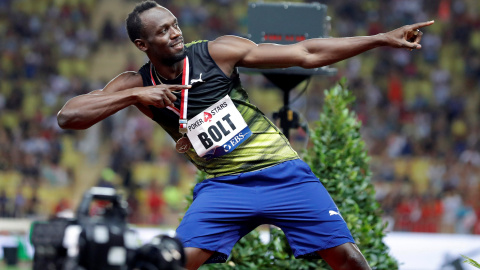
pixel 255 177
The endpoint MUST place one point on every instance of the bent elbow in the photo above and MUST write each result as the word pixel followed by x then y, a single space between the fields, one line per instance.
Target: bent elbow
pixel 62 120
pixel 66 121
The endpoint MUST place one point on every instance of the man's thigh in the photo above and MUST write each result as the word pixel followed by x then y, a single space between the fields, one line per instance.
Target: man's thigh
pixel 221 213
pixel 307 215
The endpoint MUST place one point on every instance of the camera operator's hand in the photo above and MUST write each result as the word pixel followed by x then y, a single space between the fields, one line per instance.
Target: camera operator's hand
pixel 407 36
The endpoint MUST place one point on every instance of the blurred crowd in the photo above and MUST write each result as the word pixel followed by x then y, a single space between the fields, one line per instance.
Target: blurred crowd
pixel 419 109
pixel 42 50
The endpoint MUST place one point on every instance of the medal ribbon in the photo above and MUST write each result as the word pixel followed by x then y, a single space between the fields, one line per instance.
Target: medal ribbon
pixel 182 113
pixel 184 101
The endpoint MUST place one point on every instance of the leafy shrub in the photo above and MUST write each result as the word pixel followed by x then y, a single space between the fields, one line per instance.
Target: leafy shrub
pixel 339 159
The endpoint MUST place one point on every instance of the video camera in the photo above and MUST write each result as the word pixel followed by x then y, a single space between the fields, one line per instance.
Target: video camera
pixel 101 242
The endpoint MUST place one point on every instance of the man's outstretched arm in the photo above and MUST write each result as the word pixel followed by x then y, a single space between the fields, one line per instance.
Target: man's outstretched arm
pixel 229 51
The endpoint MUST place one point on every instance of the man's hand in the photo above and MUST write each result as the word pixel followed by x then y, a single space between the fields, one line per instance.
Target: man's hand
pixel 159 95
pixel 407 36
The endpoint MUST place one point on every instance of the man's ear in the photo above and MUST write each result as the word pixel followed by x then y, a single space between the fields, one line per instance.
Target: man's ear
pixel 141 45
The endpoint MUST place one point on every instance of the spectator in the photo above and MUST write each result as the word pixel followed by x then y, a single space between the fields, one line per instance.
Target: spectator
pixel 156 203
pixel 4 204
pixel 61 206
pixel 31 206
pixel 19 204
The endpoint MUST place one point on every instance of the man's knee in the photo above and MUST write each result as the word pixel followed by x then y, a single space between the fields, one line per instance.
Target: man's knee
pixel 345 257
pixel 196 257
pixel 355 260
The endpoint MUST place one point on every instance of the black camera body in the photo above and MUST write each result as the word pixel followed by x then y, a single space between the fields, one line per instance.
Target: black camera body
pixel 103 241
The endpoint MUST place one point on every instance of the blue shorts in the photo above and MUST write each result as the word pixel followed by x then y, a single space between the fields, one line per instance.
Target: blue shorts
pixel 287 195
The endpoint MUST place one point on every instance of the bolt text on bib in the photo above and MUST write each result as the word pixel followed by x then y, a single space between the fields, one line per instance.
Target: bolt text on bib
pixel 217 131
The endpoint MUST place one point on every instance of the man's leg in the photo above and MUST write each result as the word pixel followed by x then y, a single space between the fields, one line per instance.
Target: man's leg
pixel 219 216
pixel 344 257
pixel 196 257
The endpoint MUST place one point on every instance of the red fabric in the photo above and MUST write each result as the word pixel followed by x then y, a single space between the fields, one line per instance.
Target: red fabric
pixel 444 10
pixel 155 204
pixel 395 90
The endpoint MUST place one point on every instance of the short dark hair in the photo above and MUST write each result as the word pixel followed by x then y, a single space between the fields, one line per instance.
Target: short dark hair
pixel 134 23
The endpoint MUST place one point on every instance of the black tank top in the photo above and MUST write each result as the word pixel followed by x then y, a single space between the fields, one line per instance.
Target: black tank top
pixel 266 147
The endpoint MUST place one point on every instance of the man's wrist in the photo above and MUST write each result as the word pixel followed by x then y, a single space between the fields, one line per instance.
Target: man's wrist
pixel 380 39
pixel 133 95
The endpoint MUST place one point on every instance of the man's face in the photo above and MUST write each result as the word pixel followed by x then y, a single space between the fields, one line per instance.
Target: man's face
pixel 163 36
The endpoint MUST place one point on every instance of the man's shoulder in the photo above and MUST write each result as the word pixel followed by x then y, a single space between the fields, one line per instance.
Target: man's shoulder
pixel 145 66
pixel 144 70
pixel 196 42
pixel 143 74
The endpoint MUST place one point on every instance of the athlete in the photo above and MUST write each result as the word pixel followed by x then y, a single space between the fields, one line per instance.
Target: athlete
pixel 254 176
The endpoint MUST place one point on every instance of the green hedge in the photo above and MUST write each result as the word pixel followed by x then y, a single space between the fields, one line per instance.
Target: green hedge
pixel 339 158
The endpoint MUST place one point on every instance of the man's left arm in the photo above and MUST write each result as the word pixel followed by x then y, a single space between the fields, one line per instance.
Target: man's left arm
pixel 229 51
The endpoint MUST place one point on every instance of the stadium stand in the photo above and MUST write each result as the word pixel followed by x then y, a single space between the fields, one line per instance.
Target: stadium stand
pixel 419 109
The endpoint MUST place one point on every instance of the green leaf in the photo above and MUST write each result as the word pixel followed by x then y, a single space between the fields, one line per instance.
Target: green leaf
pixel 471 261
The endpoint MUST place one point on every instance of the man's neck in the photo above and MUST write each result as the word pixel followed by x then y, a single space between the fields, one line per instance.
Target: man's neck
pixel 168 72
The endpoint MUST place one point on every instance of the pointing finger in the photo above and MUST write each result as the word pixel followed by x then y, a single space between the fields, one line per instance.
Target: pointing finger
pixel 421 24
pixel 175 87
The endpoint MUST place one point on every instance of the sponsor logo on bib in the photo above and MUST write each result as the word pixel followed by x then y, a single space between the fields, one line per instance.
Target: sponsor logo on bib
pixel 207 117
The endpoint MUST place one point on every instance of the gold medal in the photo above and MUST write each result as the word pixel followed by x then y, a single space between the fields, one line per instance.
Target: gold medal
pixel 183 144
